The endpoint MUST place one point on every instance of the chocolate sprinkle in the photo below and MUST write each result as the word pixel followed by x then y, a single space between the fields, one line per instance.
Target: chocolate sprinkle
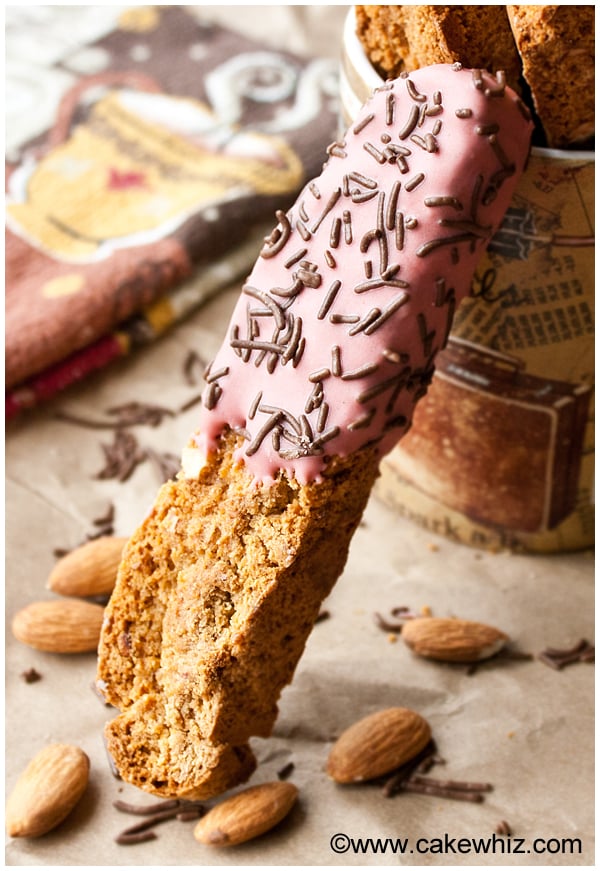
pixel 31 675
pixel 363 123
pixel 285 772
pixel 557 659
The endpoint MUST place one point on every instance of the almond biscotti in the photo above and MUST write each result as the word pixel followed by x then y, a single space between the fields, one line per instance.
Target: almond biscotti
pixel 404 38
pixel 331 344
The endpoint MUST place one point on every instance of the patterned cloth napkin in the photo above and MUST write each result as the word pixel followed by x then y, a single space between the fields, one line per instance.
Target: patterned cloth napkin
pixel 144 149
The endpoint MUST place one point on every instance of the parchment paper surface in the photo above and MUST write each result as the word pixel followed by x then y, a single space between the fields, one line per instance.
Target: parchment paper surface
pixel 523 727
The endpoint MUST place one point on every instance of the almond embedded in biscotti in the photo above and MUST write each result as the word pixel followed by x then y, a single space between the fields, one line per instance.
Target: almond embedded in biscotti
pixel 451 640
pixel 60 626
pixel 89 570
pixel 378 744
pixel 47 791
pixel 246 815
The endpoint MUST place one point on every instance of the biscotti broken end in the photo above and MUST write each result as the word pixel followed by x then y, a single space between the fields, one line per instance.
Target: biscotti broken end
pixel 557 48
pixel 165 762
pixel 216 595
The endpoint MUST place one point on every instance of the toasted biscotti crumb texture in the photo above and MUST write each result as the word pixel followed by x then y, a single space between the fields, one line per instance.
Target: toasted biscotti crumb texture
pixel 405 38
pixel 557 48
pixel 217 593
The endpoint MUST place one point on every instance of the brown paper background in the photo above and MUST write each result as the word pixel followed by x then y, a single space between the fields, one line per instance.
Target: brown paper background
pixel 523 727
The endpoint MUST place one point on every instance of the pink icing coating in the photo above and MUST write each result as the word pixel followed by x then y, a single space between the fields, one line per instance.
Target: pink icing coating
pixel 334 336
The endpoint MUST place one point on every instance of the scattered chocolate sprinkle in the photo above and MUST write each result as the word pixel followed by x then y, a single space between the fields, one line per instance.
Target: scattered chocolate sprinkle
pixel 255 403
pixel 393 783
pixel 129 414
pixel 330 259
pixel 135 413
pixel 387 312
pixel 384 624
pixel 263 432
pixel 336 360
pixel 122 457
pixel 497 89
pixel 155 814
pixel 279 236
pixel 31 675
pixel 319 375
pixel 285 772
pixel 220 373
pixel 314 190
pixel 60 552
pixel 107 518
pixel 557 659
pixel 440 792
pixel 389 109
pixel 486 129
pixel 374 152
pixel 337 149
pixel 391 213
pixel 187 816
pixel 328 207
pixel 347 221
pixel 415 181
pixel 477 77
pixel 336 227
pixel 464 113
pixel 190 364
pixel 358 196
pixel 344 319
pixel 129 837
pixel 403 611
pixel 194 400
pixel 147 809
pixel 303 230
pixel 457 785
pixel 213 395
pixel 414 93
pixel 363 421
pixel 360 372
pixel 503 828
pixel 322 418
pixel 454 202
pixel 295 257
pixel 363 123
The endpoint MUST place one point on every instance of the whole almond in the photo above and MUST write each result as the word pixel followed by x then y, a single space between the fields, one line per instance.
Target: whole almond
pixel 451 640
pixel 60 626
pixel 89 570
pixel 377 745
pixel 246 815
pixel 47 791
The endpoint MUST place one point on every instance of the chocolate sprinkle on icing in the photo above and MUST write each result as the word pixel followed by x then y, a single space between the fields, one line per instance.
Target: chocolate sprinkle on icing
pixel 410 124
pixel 414 182
pixel 414 93
pixel 273 335
pixel 329 299
pixel 275 242
pixel 363 123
